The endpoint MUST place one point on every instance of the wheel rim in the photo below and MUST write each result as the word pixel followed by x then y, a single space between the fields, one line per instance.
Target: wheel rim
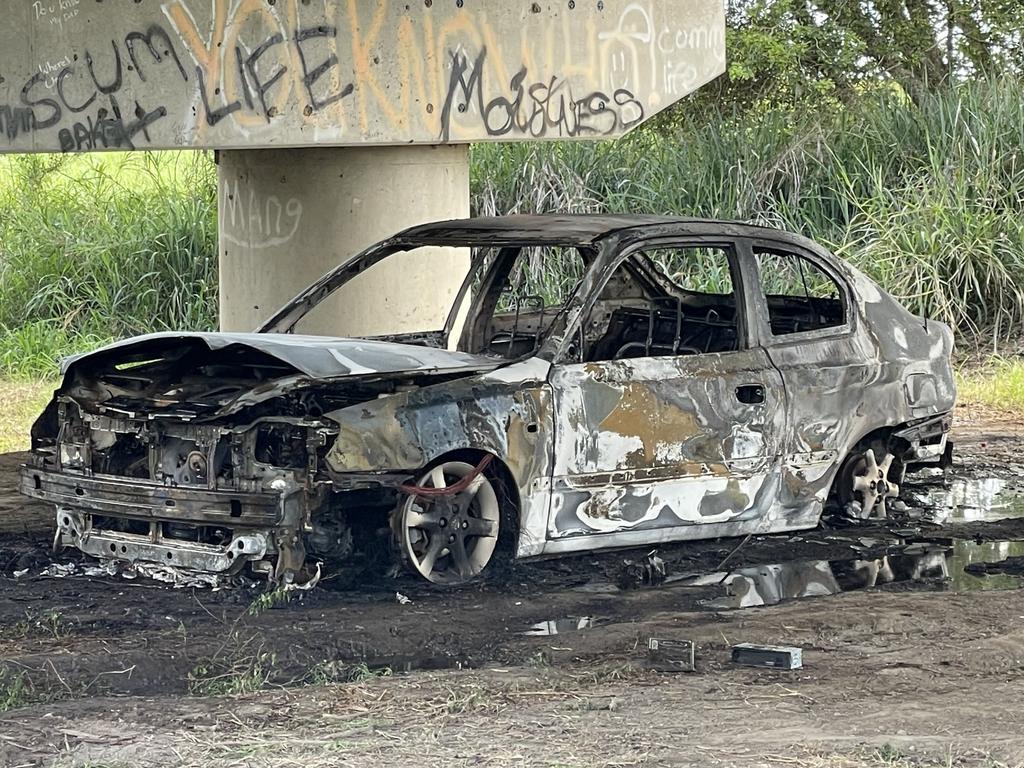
pixel 871 483
pixel 450 539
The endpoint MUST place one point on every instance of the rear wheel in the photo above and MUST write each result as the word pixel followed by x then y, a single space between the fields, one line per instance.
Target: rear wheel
pixel 869 477
pixel 450 538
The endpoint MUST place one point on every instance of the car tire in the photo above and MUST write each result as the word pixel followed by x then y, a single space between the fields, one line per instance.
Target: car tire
pixel 450 539
pixel 856 466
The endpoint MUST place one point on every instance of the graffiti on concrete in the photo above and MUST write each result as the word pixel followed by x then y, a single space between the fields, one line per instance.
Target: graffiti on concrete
pixel 257 221
pixel 536 109
pixel 229 73
pixel 57 13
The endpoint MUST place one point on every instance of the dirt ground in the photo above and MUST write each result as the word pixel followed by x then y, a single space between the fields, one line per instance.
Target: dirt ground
pixel 105 671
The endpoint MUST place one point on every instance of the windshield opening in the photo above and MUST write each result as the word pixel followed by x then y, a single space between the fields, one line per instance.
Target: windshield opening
pixel 498 301
pixel 409 292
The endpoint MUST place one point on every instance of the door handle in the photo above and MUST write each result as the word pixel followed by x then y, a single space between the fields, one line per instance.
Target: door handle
pixel 750 394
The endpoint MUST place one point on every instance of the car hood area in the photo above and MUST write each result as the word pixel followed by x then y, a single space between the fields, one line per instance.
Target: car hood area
pixel 197 375
pixel 315 356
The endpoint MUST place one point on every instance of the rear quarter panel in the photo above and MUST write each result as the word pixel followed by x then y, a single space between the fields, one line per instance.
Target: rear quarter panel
pixel 889 369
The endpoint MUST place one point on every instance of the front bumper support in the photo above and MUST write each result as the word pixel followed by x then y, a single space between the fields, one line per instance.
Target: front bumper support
pixel 75 529
pixel 251 518
pixel 145 500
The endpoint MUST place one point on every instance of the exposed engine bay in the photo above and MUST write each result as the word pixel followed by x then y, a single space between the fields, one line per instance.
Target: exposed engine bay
pixel 226 461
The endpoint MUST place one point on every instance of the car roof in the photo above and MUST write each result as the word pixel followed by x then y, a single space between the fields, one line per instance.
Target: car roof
pixel 564 229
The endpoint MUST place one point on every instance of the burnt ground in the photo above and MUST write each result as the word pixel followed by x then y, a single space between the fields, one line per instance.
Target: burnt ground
pixel 924 668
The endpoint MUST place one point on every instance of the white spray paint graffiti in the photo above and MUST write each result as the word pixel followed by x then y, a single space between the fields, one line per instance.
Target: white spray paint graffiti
pixel 642 40
pixel 255 221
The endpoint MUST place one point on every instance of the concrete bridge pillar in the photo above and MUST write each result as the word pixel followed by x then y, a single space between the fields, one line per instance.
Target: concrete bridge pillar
pixel 327 115
pixel 289 215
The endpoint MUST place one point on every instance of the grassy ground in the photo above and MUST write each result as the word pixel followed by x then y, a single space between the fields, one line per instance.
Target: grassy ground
pixel 998 383
pixel 22 403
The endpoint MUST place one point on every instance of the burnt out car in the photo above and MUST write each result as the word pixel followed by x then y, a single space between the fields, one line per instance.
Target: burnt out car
pixel 597 382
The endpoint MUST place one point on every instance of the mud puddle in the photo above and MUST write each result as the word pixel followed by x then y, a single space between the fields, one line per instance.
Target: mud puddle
pixel 893 563
pixel 921 565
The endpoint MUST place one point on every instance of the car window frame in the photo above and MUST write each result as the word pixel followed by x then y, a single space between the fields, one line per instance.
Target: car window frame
pixel 621 251
pixel 770 339
pixel 506 256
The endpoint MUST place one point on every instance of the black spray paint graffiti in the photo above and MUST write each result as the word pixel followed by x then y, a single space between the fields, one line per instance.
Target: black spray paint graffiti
pixel 83 85
pixel 78 88
pixel 254 87
pixel 109 129
pixel 539 109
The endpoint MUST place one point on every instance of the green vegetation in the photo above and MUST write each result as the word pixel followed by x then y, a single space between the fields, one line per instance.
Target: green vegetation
pixel 94 248
pixel 923 194
pixel 327 672
pixel 925 198
pixel 272 598
pixel 15 690
pixel 998 383
pixel 51 624
pixel 239 666
pixel 22 402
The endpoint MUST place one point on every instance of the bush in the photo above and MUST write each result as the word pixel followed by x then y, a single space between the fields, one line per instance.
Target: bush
pixel 97 248
pixel 927 199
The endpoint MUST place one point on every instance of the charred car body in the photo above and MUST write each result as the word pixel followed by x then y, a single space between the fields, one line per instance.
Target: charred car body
pixel 600 381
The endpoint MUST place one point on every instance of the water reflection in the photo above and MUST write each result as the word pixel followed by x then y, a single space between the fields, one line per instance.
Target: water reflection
pixel 967 552
pixel 968 500
pixel 917 565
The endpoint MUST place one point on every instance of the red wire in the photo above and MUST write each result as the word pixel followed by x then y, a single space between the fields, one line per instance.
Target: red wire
pixel 451 490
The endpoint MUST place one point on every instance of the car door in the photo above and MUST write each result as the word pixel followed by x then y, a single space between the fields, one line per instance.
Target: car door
pixel 670 431
pixel 805 319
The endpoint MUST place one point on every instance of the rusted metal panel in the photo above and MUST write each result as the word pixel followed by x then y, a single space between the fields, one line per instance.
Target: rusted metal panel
pixel 81 75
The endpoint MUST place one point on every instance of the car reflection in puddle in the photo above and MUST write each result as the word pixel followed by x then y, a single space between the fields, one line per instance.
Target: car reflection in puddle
pixel 917 566
pixel 965 500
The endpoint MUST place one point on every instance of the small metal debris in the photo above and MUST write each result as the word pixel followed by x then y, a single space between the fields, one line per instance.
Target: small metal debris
pixel 176 577
pixel 671 655
pixel 559 626
pixel 402 599
pixel 730 556
pixel 647 572
pixel 306 585
pixel 58 570
pixel 854 510
pixel 774 656
pixel 19 574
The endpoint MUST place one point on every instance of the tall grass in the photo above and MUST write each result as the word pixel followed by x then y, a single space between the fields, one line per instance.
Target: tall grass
pixel 97 248
pixel 928 199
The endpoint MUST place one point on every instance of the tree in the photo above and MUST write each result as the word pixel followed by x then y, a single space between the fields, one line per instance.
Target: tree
pixel 800 54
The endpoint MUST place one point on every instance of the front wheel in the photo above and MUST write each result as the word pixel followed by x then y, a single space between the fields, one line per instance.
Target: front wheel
pixel 450 538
